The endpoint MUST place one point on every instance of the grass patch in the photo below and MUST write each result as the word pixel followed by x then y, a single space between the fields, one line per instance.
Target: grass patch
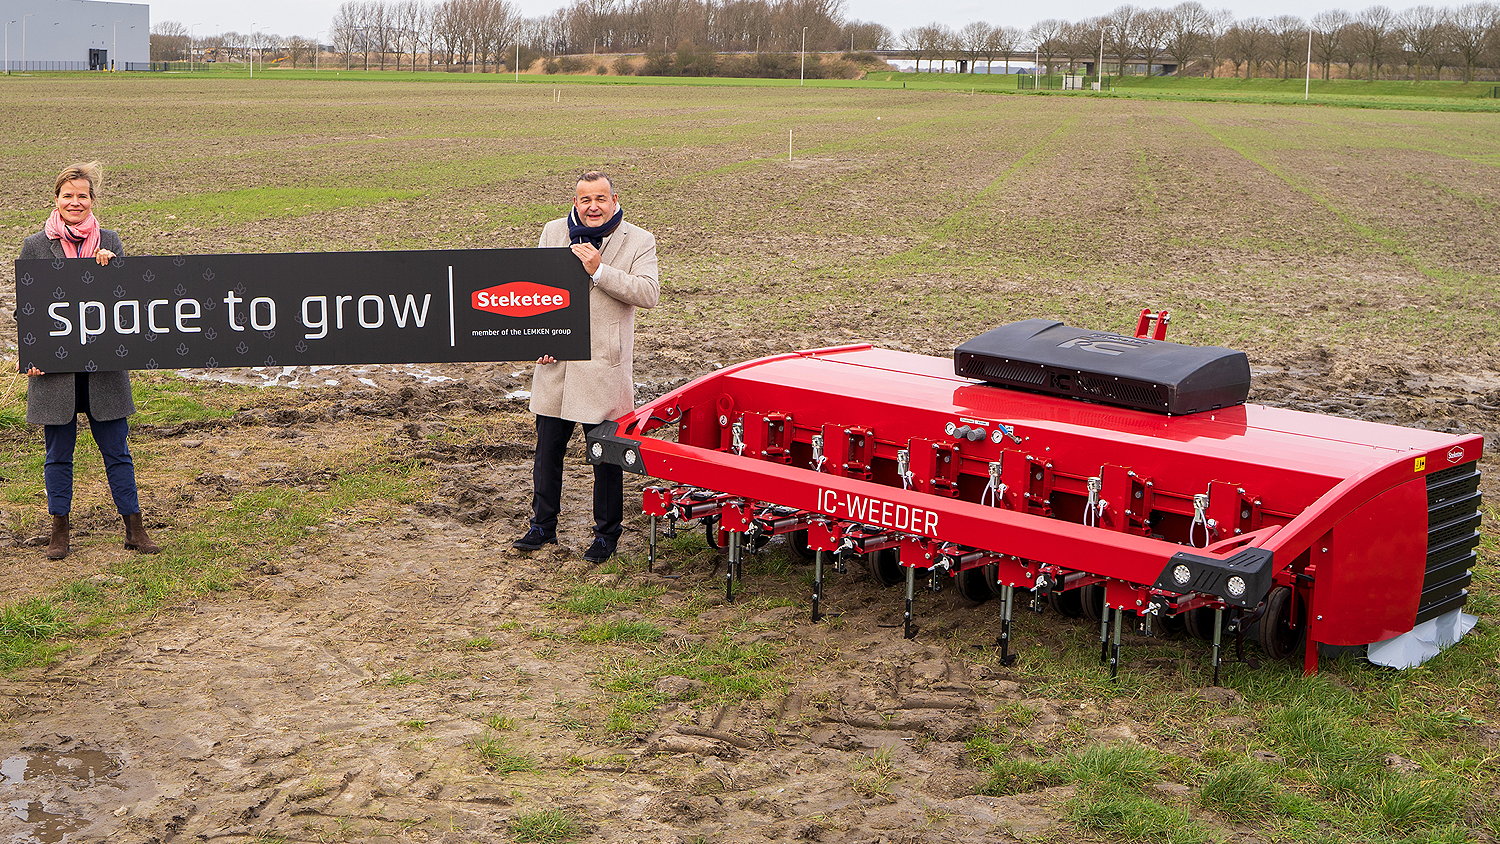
pixel 592 599
pixel 549 826
pixel 500 757
pixel 621 631
pixel 729 672
pixel 1126 816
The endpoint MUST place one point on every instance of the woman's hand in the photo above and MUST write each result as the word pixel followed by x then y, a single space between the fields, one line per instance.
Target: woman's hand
pixel 103 256
pixel 33 372
pixel 546 359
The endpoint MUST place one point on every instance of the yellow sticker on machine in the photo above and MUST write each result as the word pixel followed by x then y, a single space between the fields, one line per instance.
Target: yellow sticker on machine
pixel 1421 464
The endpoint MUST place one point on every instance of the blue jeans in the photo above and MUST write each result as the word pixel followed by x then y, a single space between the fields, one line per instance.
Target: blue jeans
pixel 117 464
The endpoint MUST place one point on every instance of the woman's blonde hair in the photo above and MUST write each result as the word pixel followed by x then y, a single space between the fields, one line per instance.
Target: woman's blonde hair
pixel 91 172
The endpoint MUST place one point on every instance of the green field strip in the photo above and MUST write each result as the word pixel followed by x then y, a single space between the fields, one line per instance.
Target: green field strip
pixel 1450 279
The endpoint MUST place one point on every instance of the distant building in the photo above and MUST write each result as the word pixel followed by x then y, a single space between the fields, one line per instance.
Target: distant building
pixel 74 35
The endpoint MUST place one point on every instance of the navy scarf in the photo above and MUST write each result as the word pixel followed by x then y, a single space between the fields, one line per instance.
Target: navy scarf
pixel 578 232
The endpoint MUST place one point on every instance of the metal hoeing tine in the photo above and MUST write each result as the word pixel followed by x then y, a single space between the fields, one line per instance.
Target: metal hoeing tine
pixel 731 565
pixel 651 548
pixel 1104 629
pixel 817 602
pixel 909 630
pixel 1007 607
pixel 1218 642
pixel 1114 650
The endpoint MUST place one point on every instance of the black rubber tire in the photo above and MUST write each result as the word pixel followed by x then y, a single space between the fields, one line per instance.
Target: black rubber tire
pixel 1171 626
pixel 797 539
pixel 885 567
pixel 974 584
pixel 1200 624
pixel 1091 601
pixel 1278 637
pixel 1067 603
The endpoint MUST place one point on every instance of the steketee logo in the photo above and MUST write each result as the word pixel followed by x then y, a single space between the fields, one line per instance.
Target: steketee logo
pixel 520 299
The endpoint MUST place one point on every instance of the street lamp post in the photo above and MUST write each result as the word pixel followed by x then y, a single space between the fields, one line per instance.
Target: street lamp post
pixel 803 79
pixel 1307 75
pixel 1099 71
pixel 23 38
pixel 7 47
pixel 248 54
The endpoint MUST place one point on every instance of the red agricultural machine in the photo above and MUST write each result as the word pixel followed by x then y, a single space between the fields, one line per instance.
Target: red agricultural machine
pixel 1119 478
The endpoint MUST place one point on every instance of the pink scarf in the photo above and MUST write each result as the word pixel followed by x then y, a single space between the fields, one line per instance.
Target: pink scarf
pixel 80 241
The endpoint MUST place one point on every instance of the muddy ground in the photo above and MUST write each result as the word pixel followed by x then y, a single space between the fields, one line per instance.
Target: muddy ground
pixel 279 712
pixel 344 688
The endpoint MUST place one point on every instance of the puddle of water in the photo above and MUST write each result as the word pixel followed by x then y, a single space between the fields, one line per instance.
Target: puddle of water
pixel 82 766
pixel 46 827
pixel 76 769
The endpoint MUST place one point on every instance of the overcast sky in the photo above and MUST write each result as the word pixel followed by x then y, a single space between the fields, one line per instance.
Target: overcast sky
pixel 309 17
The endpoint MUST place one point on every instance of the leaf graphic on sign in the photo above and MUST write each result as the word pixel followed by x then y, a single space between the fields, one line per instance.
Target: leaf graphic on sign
pixel 177 262
pixel 28 309
pixel 210 302
pixel 87 278
pixel 119 292
pixel 57 264
pixel 212 362
pixel 301 345
pixel 61 353
pixel 242 348
pixel 240 288
pixel 91 367
pixel 269 335
pixel 270 361
pixel 208 275
pixel 26 279
pixel 29 339
pixel 151 336
pixel 59 293
pixel 152 364
pixel 182 348
pixel 149 276
pixel 211 334
pixel 122 351
pixel 179 290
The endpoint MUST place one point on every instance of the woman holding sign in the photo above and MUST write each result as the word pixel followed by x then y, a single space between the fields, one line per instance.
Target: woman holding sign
pixel 54 401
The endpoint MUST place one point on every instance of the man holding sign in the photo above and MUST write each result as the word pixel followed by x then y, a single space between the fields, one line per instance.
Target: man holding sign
pixel 620 259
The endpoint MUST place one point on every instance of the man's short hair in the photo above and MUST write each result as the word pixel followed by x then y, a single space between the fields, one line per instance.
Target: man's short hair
pixel 596 175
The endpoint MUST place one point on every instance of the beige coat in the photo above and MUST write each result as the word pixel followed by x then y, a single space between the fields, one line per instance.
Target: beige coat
pixel 602 387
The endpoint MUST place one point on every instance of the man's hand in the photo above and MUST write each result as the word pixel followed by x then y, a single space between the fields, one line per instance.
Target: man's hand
pixel 546 359
pixel 33 371
pixel 588 255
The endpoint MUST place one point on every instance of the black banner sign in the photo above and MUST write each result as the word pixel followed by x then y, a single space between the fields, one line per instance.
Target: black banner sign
pixel 296 309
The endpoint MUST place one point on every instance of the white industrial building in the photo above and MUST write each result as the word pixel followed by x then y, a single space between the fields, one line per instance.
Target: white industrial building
pixel 75 35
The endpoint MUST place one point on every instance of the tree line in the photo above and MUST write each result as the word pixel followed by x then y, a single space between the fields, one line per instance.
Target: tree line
pixel 1189 38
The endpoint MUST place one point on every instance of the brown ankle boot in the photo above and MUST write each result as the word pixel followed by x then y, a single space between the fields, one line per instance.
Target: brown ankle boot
pixel 57 547
pixel 135 536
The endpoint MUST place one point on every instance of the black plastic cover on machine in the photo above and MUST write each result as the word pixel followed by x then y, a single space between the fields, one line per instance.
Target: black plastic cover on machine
pixel 1048 357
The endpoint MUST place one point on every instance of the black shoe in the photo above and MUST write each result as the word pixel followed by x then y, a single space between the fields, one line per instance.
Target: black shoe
pixel 534 540
pixel 601 550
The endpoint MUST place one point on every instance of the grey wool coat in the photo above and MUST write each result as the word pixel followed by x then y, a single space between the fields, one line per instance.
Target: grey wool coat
pixel 602 387
pixel 51 399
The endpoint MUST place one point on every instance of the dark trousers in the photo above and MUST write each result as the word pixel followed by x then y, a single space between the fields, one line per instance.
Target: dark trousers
pixel 118 466
pixel 552 435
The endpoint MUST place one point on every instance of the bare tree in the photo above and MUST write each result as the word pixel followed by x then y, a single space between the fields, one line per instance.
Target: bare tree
pixel 1216 26
pixel 1121 33
pixel 1328 30
pixel 1153 27
pixel 1186 23
pixel 1245 45
pixel 1474 27
pixel 1421 30
pixel 970 41
pixel 1372 34
pixel 1002 41
pixel 1288 40
pixel 170 41
pixel 1046 40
